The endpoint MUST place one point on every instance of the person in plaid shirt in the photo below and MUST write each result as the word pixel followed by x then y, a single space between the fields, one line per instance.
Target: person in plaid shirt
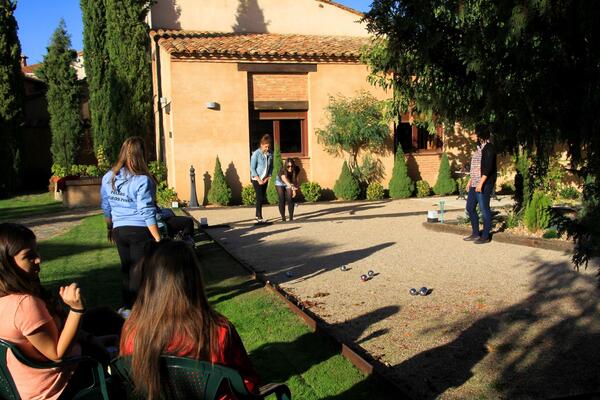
pixel 481 185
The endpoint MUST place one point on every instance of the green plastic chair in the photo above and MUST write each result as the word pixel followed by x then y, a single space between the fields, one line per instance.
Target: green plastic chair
pixel 190 379
pixel 8 390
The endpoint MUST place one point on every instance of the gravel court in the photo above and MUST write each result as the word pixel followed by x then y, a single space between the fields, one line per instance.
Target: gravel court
pixel 484 298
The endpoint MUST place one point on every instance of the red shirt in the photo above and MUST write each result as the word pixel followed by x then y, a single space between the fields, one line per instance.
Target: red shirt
pixel 231 354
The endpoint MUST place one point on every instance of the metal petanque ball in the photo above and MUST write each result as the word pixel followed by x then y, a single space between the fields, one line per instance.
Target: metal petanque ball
pixel 423 291
pixel 413 291
pixel 364 278
pixel 344 268
pixel 370 273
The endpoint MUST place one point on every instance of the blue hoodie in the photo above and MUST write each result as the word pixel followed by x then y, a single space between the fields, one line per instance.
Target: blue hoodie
pixel 131 202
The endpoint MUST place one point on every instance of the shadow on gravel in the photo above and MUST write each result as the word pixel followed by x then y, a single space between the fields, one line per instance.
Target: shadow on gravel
pixel 543 347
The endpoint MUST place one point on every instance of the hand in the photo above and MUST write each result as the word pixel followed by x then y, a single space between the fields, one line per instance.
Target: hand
pixel 294 192
pixel 71 296
pixel 109 236
pixel 479 188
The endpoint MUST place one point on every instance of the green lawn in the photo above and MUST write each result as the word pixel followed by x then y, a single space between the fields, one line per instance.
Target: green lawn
pixel 281 347
pixel 20 207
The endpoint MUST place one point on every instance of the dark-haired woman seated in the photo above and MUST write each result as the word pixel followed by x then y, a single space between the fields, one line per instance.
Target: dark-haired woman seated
pixel 172 316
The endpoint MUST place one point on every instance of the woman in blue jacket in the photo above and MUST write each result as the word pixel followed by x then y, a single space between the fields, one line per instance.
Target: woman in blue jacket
pixel 128 200
pixel 261 168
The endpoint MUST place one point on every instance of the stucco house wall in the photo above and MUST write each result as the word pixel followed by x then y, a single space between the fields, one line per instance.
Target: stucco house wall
pixel 309 17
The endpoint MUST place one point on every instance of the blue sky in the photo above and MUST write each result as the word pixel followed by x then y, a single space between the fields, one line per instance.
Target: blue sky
pixel 37 20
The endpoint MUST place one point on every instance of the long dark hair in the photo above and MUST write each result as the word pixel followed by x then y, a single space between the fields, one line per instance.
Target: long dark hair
pixel 13 239
pixel 133 157
pixel 293 175
pixel 171 304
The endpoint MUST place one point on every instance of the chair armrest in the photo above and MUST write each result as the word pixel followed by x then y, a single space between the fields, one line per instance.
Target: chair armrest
pixel 279 389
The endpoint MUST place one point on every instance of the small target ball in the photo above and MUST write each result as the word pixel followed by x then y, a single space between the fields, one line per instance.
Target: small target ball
pixel 423 291
pixel 370 273
pixel 364 278
pixel 344 268
pixel 413 291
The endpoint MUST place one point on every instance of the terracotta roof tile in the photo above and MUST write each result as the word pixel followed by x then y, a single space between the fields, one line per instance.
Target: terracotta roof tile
pixel 258 45
pixel 30 69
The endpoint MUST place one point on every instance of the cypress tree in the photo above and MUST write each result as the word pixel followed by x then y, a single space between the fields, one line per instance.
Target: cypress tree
pixel 220 192
pixel 11 97
pixel 272 196
pixel 63 97
pixel 401 186
pixel 347 186
pixel 128 47
pixel 445 184
pixel 103 110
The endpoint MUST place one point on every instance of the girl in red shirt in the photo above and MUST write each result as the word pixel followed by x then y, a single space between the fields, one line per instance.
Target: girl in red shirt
pixel 172 316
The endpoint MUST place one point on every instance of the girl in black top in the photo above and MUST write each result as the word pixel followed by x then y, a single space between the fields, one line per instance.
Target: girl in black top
pixel 286 185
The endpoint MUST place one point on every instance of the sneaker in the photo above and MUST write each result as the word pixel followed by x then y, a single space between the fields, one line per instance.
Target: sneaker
pixel 481 241
pixel 282 219
pixel 124 312
pixel 471 238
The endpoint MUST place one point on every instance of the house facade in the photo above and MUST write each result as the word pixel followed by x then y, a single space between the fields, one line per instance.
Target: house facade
pixel 230 71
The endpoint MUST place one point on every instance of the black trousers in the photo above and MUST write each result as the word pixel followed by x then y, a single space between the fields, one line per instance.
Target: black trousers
pixel 285 195
pixel 261 195
pixel 131 242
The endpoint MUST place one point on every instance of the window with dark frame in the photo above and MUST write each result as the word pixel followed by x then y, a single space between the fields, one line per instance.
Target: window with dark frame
pixel 287 128
pixel 415 139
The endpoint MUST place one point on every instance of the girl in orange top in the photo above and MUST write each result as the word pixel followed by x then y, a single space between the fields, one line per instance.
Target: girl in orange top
pixel 29 316
pixel 172 316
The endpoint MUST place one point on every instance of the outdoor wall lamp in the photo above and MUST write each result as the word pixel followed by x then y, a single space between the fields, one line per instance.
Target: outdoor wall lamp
pixel 213 105
pixel 165 104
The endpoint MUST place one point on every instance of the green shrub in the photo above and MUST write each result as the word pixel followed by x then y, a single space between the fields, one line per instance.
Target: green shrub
pixel 248 195
pixel 347 186
pixel 513 218
pixel 569 192
pixel 375 191
pixel 551 233
pixel 58 170
pixel 423 189
pixel 159 170
pixel 272 196
pixel 311 191
pixel 537 213
pixel 92 171
pixel 103 162
pixel 77 170
pixel 444 185
pixel 165 195
pixel 220 192
pixel 401 186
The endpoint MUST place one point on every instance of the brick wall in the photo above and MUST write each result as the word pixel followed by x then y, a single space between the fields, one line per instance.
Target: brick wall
pixel 424 166
pixel 277 87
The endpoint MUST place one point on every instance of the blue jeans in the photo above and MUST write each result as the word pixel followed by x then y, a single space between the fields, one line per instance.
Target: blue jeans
pixel 483 199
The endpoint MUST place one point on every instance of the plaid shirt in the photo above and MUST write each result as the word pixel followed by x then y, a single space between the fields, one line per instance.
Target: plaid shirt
pixel 476 165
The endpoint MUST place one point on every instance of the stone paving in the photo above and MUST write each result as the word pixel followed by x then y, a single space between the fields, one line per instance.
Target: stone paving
pixel 51 225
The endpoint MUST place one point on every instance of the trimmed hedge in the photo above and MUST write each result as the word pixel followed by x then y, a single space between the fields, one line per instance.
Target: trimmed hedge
pixel 401 186
pixel 311 191
pixel 375 191
pixel 220 192
pixel 347 186
pixel 445 184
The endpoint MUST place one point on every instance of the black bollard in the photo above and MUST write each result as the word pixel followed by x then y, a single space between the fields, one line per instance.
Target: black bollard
pixel 193 196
